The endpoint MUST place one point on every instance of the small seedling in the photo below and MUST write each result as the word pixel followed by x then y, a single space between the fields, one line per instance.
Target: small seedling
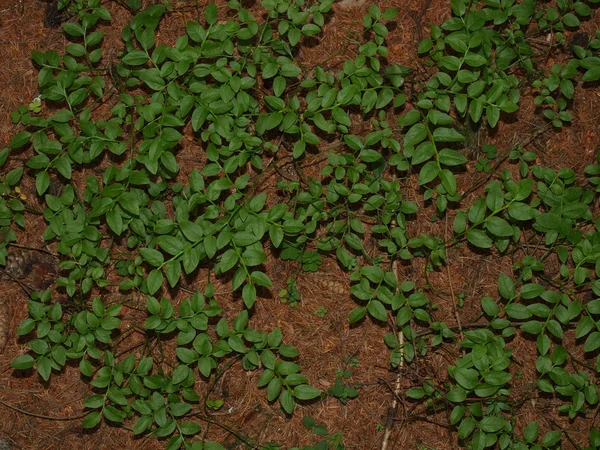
pixel 460 299
pixel 483 165
pixel 321 312
pixel 36 105
pixel 352 361
pixel 290 294
pixel 331 441
pixel 340 390
pixel 215 404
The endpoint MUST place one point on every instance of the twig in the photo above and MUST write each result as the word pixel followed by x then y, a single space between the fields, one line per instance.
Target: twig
pixel 391 414
pixel 455 305
pixel 41 250
pixel 501 158
pixel 563 431
pixel 27 289
pixel 431 421
pixel 229 429
pixel 40 416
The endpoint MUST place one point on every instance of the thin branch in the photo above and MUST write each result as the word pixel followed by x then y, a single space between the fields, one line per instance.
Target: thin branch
pixel 41 416
pixel 391 415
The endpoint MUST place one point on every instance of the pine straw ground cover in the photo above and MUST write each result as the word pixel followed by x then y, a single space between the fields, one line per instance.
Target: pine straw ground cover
pixel 370 226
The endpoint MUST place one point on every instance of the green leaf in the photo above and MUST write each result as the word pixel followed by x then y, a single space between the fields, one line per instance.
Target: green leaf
pixel 306 392
pixel 211 13
pixel 341 116
pixel 416 393
pixel 116 396
pixel 14 176
pixel 467 378
pixel 506 287
pixel 479 239
pixel 290 70
pixel 592 342
pixel 531 290
pixel 357 314
pixel 252 257
pixel 415 134
pixel 299 148
pixel 492 424
pixel 85 367
pixel 180 409
pixel 91 420
pixel 135 58
pixel 373 273
pixel 44 368
pixel 173 272
pixel 551 438
pixel 489 306
pixel 270 70
pixel 593 74
pixel 142 424
pixel 113 414
pixel 42 181
pixel 377 310
pixel 20 139
pixel 274 389
pixel 310 29
pixel 457 395
pixel 23 362
pixel 424 152
pixel 249 295
pixel 499 227
pixel 228 260
pixel 518 311
pixel 384 97
pixel 428 172
pixel 152 256
pixel 466 427
pixel 447 135
pixel 497 378
pixel 460 223
pixel 294 35
pixel 155 280
pixel 475 59
pixel 261 279
pixel 287 401
pixel 390 13
pixel 531 431
pixel 73 29
pixel 450 157
pixel 114 221
pixel 584 326
pixel 189 428
pixel 448 181
pixel 346 94
pixel 94 401
pixel 288 351
pixel 170 244
pixel 571 20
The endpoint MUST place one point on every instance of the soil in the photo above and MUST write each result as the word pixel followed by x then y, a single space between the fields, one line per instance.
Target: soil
pixel 37 415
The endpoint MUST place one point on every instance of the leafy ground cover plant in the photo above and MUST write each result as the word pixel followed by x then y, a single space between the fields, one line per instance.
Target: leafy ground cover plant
pixel 143 223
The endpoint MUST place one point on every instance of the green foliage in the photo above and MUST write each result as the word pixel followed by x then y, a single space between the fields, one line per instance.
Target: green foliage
pixel 234 90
